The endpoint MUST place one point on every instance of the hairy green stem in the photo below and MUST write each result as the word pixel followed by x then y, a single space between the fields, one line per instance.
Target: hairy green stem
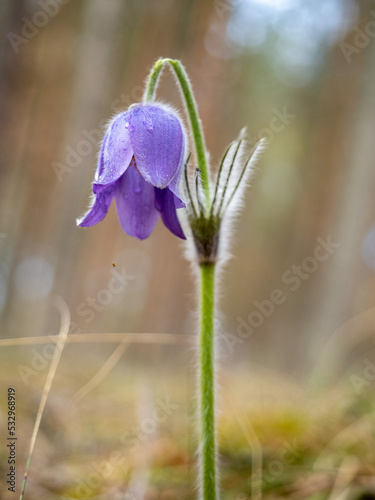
pixel 207 291
pixel 152 81
pixel 207 383
pixel 192 112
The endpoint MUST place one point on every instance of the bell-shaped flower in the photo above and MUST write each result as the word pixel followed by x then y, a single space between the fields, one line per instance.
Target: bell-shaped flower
pixel 140 163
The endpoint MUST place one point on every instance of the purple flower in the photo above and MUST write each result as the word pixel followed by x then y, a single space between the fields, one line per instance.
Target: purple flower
pixel 139 165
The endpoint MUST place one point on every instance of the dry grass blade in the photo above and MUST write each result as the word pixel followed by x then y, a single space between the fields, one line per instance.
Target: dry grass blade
pixel 102 373
pixel 341 488
pixel 115 338
pixel 256 448
pixel 64 329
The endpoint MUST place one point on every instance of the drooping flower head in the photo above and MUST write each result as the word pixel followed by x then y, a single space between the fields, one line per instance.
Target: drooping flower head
pixel 139 165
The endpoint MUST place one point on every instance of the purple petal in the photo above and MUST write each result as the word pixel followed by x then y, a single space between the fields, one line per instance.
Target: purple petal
pixel 135 204
pixel 157 140
pixel 174 186
pixel 165 202
pixel 99 208
pixel 115 154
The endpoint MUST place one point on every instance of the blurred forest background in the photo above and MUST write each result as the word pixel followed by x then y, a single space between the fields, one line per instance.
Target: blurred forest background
pixel 301 73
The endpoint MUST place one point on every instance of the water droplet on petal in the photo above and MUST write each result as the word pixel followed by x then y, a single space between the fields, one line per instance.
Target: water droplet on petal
pixel 137 187
pixel 148 124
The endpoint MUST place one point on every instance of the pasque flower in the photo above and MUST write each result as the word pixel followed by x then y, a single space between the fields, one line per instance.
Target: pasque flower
pixel 139 165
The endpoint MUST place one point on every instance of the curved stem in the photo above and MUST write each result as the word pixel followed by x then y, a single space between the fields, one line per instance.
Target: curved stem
pixel 192 112
pixel 207 287
pixel 207 383
pixel 152 81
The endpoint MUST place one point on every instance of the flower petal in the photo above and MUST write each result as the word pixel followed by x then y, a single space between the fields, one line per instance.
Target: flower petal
pixel 116 152
pixel 158 143
pixel 165 202
pixel 99 208
pixel 174 186
pixel 135 204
